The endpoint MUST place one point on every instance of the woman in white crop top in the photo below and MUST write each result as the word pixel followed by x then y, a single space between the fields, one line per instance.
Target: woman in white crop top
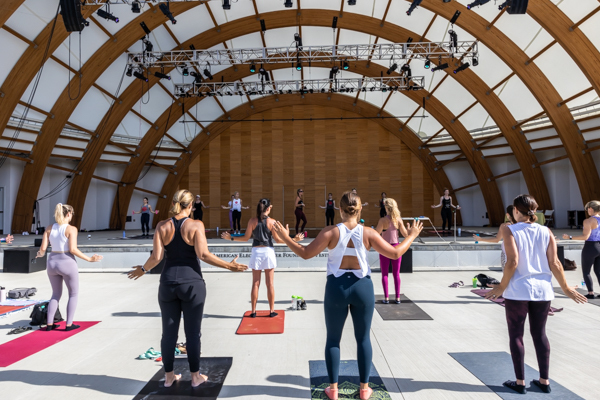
pixel 531 260
pixel 349 286
pixel 61 265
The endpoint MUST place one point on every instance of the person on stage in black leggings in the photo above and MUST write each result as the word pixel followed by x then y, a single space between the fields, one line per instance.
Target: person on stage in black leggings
pixel 381 206
pixel 182 288
pixel 299 211
pixel 531 260
pixel 447 206
pixel 236 207
pixel 330 209
pixel 590 255
pixel 197 209
pixel 349 286
pixel 145 210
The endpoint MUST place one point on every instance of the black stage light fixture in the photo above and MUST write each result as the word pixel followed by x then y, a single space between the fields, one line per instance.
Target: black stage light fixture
pixel 197 77
pixel 407 71
pixel 165 10
pixel 334 23
pixel 264 73
pixel 462 67
pixel 129 71
pixel 72 17
pixel 208 74
pixel 333 72
pixel 288 4
pixel 412 7
pixel 140 76
pixel 351 2
pixel 263 27
pixel 298 66
pixel 392 68
pixel 192 47
pixel 409 40
pixel 440 67
pixel 136 7
pixel 475 61
pixel 160 75
pixel 253 68
pixel 185 71
pixel 477 3
pixel 145 28
pixel 106 15
pixel 446 1
pixel 346 66
pixel 453 39
pixel 455 17
pixel 427 64
pixel 226 4
pixel 298 40
pixel 148 46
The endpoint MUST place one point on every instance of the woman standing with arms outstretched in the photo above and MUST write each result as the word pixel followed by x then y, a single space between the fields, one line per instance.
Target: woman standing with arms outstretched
pixel 230 208
pixel 381 206
pixel 236 207
pixel 330 209
pixel 260 229
pixel 61 265
pixel 446 204
pixel 531 260
pixel 145 210
pixel 197 209
pixel 299 210
pixel 388 228
pixel 349 285
pixel 182 288
pixel 590 255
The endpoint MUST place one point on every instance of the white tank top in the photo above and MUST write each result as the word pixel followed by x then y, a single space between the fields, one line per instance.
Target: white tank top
pixel 532 280
pixel 58 240
pixel 237 205
pixel 334 261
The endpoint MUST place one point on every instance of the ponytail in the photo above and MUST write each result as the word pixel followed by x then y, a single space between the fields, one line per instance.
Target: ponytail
pixel 181 200
pixel 262 206
pixel 526 205
pixel 60 213
pixel 391 207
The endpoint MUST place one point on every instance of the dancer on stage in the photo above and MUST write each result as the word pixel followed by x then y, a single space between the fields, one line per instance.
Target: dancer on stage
pixel 8 239
pixel 145 210
pixel 349 286
pixel 329 209
pixel 356 193
pixel 531 260
pixel 197 209
pixel 388 228
pixel 299 210
pixel 260 229
pixel 236 207
pixel 230 208
pixel 182 288
pixel 61 265
pixel 498 238
pixel 446 204
pixel 381 206
pixel 590 255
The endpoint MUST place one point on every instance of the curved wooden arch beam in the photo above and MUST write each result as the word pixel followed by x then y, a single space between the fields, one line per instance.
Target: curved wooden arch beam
pixel 575 43
pixel 8 8
pixel 539 85
pixel 248 109
pixel 64 107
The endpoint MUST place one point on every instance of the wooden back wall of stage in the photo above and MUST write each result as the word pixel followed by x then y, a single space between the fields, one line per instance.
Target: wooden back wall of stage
pixel 274 158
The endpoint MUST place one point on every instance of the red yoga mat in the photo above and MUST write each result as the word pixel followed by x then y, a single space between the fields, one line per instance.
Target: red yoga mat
pixel 31 343
pixel 262 324
pixel 7 309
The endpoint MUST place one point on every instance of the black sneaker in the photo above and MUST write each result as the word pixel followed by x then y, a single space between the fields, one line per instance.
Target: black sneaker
pixel 517 388
pixel 303 306
pixel 591 296
pixel 544 388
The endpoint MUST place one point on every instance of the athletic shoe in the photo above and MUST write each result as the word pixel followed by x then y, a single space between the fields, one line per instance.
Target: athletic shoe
pixel 385 301
pixel 331 393
pixel 517 388
pixel 544 388
pixel 365 394
pixel 590 296
pixel 398 301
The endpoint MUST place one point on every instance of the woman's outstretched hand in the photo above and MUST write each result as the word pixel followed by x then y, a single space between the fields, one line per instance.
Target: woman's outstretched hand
pixel 280 229
pixel 415 229
pixel 96 258
pixel 235 266
pixel 495 293
pixel 574 295
pixel 135 273
pixel 226 235
pixel 299 237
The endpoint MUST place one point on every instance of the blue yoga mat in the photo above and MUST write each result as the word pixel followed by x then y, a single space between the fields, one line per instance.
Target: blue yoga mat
pixel 349 382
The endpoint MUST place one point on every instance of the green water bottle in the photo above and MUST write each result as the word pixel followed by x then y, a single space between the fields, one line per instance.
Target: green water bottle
pixel 474 281
pixel 294 303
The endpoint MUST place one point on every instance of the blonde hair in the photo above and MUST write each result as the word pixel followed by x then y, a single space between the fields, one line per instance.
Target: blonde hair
pixel 60 213
pixel 594 205
pixel 391 207
pixel 181 200
pixel 351 204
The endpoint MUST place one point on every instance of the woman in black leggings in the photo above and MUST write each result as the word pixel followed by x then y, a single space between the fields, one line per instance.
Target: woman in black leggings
pixel 446 204
pixel 182 288
pixel 299 211
pixel 330 209
pixel 590 255
pixel 349 286
pixel 531 260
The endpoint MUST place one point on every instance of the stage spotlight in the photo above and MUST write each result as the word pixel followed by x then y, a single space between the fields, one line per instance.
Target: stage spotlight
pixel 136 7
pixel 455 17
pixel 129 71
pixel 197 77
pixel 440 67
pixel 148 46
pixel 412 7
pixel 346 66
pixel 298 41
pixel 165 10
pixel 185 71
pixel 407 71
pixel 392 69
pixel 253 68
pixel 427 64
pixel 462 67
pixel 298 66
pixel 140 75
pixel 453 39
pixel 351 2
pixel 106 15
pixel 264 73
pixel 226 4
pixel 208 74
pixel 160 75
pixel 333 72
pixel 288 3
pixel 475 61
pixel 477 3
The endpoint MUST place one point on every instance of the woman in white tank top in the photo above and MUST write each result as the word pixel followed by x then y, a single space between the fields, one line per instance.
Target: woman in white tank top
pixel 349 286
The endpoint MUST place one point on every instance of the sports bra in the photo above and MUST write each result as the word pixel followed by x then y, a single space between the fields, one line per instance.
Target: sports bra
pixel 391 233
pixel 58 240
pixel 334 260
pixel 595 234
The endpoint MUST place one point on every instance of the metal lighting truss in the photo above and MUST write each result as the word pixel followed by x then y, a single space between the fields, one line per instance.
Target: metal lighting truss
pixel 299 86
pixel 305 54
pixel 128 2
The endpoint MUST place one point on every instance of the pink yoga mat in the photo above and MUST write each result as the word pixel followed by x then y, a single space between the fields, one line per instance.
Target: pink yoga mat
pixel 31 343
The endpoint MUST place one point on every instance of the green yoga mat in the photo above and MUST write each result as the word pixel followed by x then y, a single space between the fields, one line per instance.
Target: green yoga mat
pixel 349 382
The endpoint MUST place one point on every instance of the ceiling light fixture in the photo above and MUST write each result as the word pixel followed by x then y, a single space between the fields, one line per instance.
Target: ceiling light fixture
pixel 440 67
pixel 462 67
pixel 136 7
pixel 161 75
pixel 165 10
pixel 226 4
pixel 253 68
pixel 477 3
pixel 107 15
pixel 412 7
pixel 140 76
pixel 392 68
pixel 427 64
pixel 346 66
pixel 208 74
pixel 288 3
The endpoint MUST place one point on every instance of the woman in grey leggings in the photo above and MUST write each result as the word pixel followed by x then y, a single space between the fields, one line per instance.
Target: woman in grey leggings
pixel 61 264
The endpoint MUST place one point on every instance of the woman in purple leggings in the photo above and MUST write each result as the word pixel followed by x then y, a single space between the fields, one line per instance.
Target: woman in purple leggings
pixel 61 264
pixel 390 224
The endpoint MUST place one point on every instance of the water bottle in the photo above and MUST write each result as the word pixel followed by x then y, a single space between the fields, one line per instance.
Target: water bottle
pixel 299 302
pixel 458 231
pixel 89 237
pixel 124 236
pixel 217 231
pixel 294 303
pixel 475 282
pixel 477 241
pixel 582 283
pixel 2 294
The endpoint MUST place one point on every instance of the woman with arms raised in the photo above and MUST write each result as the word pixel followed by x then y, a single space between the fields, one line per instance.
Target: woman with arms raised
pixel 349 285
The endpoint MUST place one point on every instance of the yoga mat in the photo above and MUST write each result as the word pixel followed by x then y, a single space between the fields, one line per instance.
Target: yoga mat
pixel 216 368
pixel 407 310
pixel 31 343
pixel 4 310
pixel 262 324
pixel 500 301
pixel 595 302
pixel 348 381
pixel 493 368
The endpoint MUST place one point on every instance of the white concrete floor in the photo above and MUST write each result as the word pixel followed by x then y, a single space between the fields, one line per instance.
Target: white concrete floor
pixel 411 356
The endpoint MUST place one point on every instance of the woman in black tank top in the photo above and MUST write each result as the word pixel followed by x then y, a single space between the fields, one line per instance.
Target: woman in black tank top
pixel 299 211
pixel 446 204
pixel 182 287
pixel 381 206
pixel 330 209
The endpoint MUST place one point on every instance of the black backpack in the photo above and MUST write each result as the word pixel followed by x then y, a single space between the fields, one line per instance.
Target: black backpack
pixel 39 314
pixel 486 281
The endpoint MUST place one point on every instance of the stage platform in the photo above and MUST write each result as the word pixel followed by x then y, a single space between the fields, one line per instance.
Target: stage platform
pixel 432 253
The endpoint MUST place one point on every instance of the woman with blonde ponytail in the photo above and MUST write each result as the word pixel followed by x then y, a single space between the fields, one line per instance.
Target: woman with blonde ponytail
pixel 61 265
pixel 182 289
pixel 388 227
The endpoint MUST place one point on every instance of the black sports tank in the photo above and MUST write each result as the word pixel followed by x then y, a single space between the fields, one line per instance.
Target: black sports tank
pixel 330 204
pixel 181 263
pixel 261 235
pixel 446 203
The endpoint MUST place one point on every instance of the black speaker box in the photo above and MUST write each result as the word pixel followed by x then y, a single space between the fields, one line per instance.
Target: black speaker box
pixel 518 7
pixel 406 265
pixel 561 254
pixel 71 14
pixel 22 260
pixel 37 242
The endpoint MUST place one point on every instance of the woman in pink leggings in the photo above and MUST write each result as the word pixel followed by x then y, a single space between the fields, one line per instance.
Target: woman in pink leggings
pixel 390 225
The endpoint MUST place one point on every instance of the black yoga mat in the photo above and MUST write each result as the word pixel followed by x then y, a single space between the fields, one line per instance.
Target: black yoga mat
pixel 348 382
pixel 595 302
pixel 216 368
pixel 406 310
pixel 493 368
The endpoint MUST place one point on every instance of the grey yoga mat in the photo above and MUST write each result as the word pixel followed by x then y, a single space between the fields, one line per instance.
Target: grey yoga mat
pixel 406 310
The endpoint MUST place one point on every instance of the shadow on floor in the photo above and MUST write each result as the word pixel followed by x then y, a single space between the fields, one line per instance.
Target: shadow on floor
pixel 290 301
pixel 24 322
pixel 135 314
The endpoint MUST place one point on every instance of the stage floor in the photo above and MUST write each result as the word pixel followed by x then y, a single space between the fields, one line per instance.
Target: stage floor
pixel 411 356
